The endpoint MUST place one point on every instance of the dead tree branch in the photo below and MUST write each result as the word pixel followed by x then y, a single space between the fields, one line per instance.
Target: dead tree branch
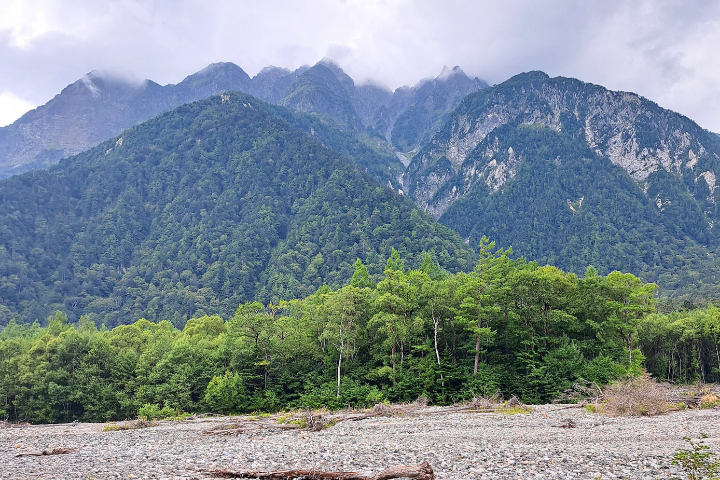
pixel 54 451
pixel 421 472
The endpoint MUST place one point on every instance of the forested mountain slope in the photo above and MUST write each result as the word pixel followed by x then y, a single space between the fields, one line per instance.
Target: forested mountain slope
pixel 573 174
pixel 630 131
pixel 197 210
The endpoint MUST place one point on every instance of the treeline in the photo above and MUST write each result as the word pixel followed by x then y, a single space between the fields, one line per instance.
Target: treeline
pixel 508 326
pixel 682 346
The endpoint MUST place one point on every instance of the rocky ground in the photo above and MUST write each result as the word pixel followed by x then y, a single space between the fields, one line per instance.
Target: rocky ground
pixel 457 445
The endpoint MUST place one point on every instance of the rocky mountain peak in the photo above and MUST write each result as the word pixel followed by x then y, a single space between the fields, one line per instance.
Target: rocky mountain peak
pixel 446 73
pixel 646 141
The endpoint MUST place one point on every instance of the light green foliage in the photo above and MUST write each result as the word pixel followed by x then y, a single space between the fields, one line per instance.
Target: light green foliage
pixel 361 277
pixel 508 326
pixel 697 461
pixel 151 411
pixel 226 394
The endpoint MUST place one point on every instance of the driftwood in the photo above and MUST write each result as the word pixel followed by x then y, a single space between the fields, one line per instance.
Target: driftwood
pixel 421 472
pixel 239 428
pixel 54 451
pixel 566 423
pixel 316 422
pixel 579 405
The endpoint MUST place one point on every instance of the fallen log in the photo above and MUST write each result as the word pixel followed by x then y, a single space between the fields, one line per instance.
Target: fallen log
pixel 579 405
pixel 41 453
pixel 421 472
pixel 248 428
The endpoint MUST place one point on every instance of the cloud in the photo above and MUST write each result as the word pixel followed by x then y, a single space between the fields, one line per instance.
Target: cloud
pixel 665 50
pixel 12 107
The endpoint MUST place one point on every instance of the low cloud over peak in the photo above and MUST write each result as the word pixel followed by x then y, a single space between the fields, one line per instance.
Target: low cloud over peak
pixel 664 50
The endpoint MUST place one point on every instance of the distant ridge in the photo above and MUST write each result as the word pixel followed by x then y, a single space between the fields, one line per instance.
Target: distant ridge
pixel 100 105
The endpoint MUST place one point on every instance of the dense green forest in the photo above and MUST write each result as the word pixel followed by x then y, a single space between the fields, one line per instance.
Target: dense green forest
pixel 508 326
pixel 567 206
pixel 197 210
pixel 572 174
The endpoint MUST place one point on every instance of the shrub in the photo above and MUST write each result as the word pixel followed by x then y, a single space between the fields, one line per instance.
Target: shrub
pixel 151 411
pixel 637 396
pixel 697 461
pixel 709 401
pixel 226 394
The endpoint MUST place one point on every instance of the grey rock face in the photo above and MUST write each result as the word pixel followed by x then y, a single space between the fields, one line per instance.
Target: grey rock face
pixel 631 131
pixel 100 106
pixel 273 83
pixel 322 90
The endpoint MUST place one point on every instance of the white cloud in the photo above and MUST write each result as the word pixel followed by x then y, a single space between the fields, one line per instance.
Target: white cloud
pixel 12 107
pixel 665 50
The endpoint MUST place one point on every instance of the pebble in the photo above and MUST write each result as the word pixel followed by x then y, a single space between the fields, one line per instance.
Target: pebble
pixel 457 446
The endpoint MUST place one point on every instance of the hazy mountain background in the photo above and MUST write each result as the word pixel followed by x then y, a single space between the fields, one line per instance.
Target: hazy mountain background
pixel 100 105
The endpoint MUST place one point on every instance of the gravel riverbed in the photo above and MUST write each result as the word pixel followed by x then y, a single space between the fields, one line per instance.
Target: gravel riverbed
pixel 457 445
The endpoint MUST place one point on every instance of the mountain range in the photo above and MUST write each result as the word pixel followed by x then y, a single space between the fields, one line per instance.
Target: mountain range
pixel 573 174
pixel 100 106
pixel 272 193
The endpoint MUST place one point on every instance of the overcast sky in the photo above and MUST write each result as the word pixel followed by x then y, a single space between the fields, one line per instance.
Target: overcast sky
pixel 667 51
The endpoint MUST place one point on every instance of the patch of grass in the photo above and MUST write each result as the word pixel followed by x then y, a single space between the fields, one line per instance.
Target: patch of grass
pixel 709 401
pixel 137 424
pixel 593 408
pixel 180 416
pixel 301 422
pixel 515 410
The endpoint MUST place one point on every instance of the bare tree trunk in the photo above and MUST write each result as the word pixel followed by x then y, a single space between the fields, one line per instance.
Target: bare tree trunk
pixel 437 353
pixel 421 472
pixel 477 340
pixel 628 341
pixel 338 383
pixel 454 343
pixel 507 327
pixel 392 355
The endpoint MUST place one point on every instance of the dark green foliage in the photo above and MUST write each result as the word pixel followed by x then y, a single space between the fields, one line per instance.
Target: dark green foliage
pixel 368 152
pixel 572 174
pixel 195 211
pixel 319 90
pixel 567 206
